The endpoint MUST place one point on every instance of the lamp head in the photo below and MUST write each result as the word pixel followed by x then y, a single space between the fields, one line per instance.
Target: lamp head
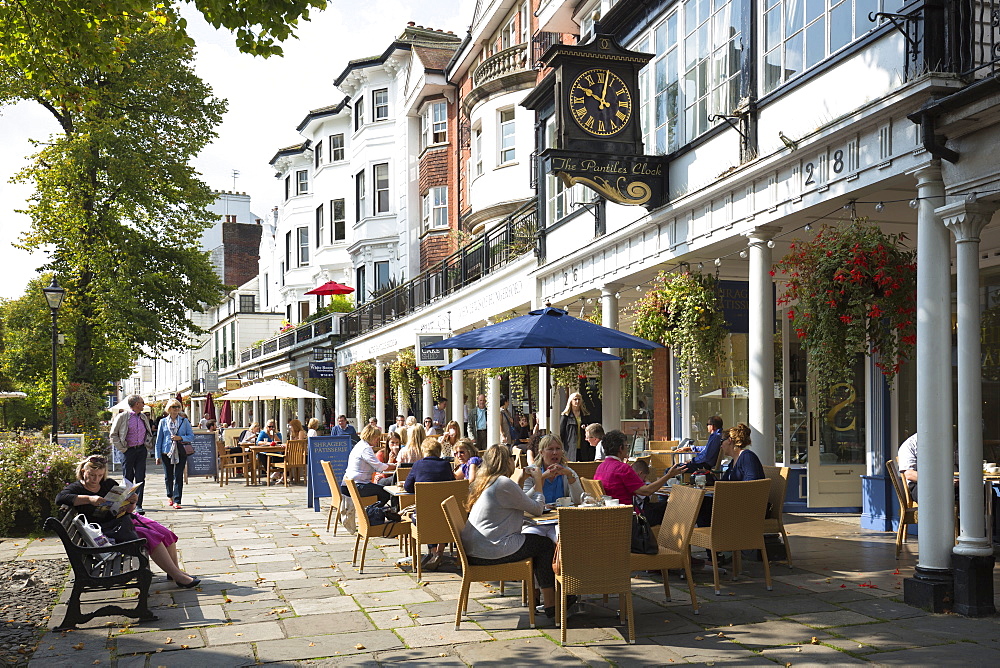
pixel 54 295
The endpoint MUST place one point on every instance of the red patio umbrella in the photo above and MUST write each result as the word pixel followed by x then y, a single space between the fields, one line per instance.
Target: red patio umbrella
pixel 209 407
pixel 226 413
pixel 331 288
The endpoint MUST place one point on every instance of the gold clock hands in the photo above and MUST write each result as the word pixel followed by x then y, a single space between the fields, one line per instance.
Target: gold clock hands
pixel 590 93
pixel 604 93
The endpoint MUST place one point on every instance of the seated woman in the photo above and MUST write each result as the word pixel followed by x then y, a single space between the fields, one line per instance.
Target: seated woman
pixel 496 508
pixel 621 482
pixel 744 465
pixel 558 480
pixel 246 437
pixel 296 431
pixel 467 461
pixel 450 438
pixel 388 455
pixel 362 463
pixel 411 454
pixel 431 468
pixel 87 496
pixel 313 428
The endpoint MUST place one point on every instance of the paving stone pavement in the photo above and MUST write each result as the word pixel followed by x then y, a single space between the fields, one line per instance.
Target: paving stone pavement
pixel 279 590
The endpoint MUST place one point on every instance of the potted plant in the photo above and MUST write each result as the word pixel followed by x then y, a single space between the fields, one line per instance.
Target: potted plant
pixel 851 290
pixel 682 311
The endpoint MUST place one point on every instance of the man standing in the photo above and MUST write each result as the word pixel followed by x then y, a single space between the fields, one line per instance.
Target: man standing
pixel 342 428
pixel 440 414
pixel 906 459
pixel 480 420
pixel 132 435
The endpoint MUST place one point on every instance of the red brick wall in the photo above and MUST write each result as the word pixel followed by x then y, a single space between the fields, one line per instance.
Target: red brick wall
pixel 241 245
pixel 661 394
pixel 433 249
pixel 434 167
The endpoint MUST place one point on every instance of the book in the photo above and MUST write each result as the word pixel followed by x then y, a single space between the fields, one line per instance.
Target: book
pixel 117 497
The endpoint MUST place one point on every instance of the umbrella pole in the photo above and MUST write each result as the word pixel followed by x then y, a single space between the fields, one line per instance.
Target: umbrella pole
pixel 548 389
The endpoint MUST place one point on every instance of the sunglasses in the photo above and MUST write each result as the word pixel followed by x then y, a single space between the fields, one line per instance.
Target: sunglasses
pixel 97 459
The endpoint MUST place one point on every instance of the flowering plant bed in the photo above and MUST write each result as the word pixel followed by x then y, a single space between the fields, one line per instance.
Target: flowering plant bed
pixel 682 311
pixel 32 472
pixel 852 290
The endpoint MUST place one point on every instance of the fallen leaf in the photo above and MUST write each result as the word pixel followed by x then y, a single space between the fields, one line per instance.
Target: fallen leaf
pixel 97 662
pixel 814 641
pixel 443 654
pixel 168 641
pixel 78 646
pixel 395 617
pixel 312 644
pixel 698 638
pixel 192 636
pixel 359 646
pixel 239 634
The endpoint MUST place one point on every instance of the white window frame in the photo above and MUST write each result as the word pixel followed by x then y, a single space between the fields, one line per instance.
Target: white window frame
pixel 337 147
pixel 359 114
pixel 334 221
pixel 509 33
pixel 320 225
pixel 318 154
pixel 476 159
pixel 303 246
pixel 435 208
pixel 506 136
pixel 380 110
pixel 434 124
pixel 360 196
pixel 302 182
pixel 380 200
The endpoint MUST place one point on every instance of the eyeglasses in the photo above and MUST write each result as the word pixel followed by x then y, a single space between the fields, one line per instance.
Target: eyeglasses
pixel 97 459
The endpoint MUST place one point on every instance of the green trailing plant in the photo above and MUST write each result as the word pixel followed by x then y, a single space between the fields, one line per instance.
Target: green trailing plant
pixel 32 472
pixel 682 311
pixel 851 290
pixel 361 376
pixel 403 375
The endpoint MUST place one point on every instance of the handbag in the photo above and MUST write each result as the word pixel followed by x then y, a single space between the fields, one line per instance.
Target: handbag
pixel 643 540
pixel 379 514
pixel 188 447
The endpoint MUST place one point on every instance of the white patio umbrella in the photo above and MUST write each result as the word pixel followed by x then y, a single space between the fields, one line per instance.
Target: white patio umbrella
pixel 12 395
pixel 270 389
pixel 123 406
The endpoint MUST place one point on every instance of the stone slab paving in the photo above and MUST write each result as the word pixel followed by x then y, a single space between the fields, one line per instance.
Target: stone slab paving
pixel 278 590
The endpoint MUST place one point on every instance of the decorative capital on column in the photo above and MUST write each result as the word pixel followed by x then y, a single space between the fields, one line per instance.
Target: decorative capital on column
pixel 762 233
pixel 928 172
pixel 966 219
pixel 610 289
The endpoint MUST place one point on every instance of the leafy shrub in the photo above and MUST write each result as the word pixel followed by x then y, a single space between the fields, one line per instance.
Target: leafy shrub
pixel 32 472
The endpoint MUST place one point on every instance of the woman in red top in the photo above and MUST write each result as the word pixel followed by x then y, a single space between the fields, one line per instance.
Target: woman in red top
pixel 621 482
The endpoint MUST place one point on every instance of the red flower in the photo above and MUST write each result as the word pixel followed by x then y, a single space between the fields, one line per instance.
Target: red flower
pixel 875 312
pixel 846 319
pixel 801 333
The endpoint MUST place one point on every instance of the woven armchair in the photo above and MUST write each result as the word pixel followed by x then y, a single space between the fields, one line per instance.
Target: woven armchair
pixel 584 469
pixel 593 487
pixel 519 570
pixel 738 510
pixel 907 506
pixel 674 540
pixel 337 498
pixel 594 557
pixel 366 530
pixel 432 527
pixel 774 522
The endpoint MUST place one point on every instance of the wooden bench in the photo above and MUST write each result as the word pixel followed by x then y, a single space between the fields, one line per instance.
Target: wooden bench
pixel 93 572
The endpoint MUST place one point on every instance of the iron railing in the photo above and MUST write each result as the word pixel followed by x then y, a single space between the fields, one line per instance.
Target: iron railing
pixel 322 327
pixel 542 42
pixel 981 43
pixel 499 246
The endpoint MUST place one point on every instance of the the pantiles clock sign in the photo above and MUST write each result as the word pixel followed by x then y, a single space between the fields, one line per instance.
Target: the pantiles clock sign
pixel 594 93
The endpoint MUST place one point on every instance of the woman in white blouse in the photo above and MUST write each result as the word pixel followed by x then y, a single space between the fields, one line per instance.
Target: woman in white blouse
pixel 362 463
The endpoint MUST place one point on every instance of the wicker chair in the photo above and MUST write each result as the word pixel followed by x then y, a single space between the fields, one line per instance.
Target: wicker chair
pixel 674 540
pixel 594 557
pixel 337 498
pixel 290 462
pixel 228 462
pixel 432 527
pixel 366 530
pixel 584 469
pixel 907 506
pixel 520 457
pixel 774 522
pixel 592 487
pixel 738 511
pixel 519 571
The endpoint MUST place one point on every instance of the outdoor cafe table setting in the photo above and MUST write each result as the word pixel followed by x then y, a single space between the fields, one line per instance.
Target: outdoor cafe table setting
pixel 252 465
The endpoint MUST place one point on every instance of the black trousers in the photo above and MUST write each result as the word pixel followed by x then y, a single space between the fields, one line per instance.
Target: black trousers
pixel 369 489
pixel 480 439
pixel 134 467
pixel 539 548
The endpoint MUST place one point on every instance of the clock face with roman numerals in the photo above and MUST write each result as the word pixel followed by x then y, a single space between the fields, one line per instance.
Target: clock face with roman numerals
pixel 600 102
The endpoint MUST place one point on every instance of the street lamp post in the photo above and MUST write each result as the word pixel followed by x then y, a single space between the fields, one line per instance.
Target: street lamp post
pixel 54 296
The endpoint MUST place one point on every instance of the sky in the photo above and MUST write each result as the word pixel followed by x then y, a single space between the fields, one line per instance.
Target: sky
pixel 267 100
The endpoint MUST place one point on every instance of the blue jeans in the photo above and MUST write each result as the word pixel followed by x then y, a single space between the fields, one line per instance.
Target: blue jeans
pixel 173 475
pixel 134 467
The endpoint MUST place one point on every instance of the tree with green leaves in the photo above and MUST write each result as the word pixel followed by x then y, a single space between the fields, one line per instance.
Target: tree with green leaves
pixel 117 205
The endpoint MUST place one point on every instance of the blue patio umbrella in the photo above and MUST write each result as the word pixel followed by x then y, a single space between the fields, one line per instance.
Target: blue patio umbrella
pixel 492 358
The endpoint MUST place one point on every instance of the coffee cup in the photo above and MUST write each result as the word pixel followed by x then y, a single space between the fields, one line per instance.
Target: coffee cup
pixel 671 482
pixel 610 500
pixel 564 501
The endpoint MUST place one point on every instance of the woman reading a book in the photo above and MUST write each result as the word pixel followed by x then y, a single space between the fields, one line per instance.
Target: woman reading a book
pixel 88 494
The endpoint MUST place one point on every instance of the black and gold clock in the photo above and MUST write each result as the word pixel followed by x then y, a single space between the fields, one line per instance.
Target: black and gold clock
pixel 600 102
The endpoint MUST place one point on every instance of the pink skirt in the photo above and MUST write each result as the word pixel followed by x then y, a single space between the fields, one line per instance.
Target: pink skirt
pixel 155 533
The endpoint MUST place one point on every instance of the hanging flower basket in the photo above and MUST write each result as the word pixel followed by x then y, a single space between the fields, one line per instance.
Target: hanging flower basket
pixel 683 312
pixel 851 290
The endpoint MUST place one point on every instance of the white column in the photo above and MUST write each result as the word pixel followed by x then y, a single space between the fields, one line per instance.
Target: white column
pixel 966 220
pixel 934 410
pixel 282 418
pixel 340 397
pixel 761 343
pixel 401 404
pixel 255 408
pixel 360 399
pixel 317 409
pixel 428 401
pixel 493 411
pixel 544 400
pixel 301 403
pixel 611 381
pixel 458 393
pixel 379 393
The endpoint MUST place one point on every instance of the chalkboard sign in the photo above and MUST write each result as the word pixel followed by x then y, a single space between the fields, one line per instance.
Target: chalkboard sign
pixel 204 460
pixel 333 449
pixel 70 440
